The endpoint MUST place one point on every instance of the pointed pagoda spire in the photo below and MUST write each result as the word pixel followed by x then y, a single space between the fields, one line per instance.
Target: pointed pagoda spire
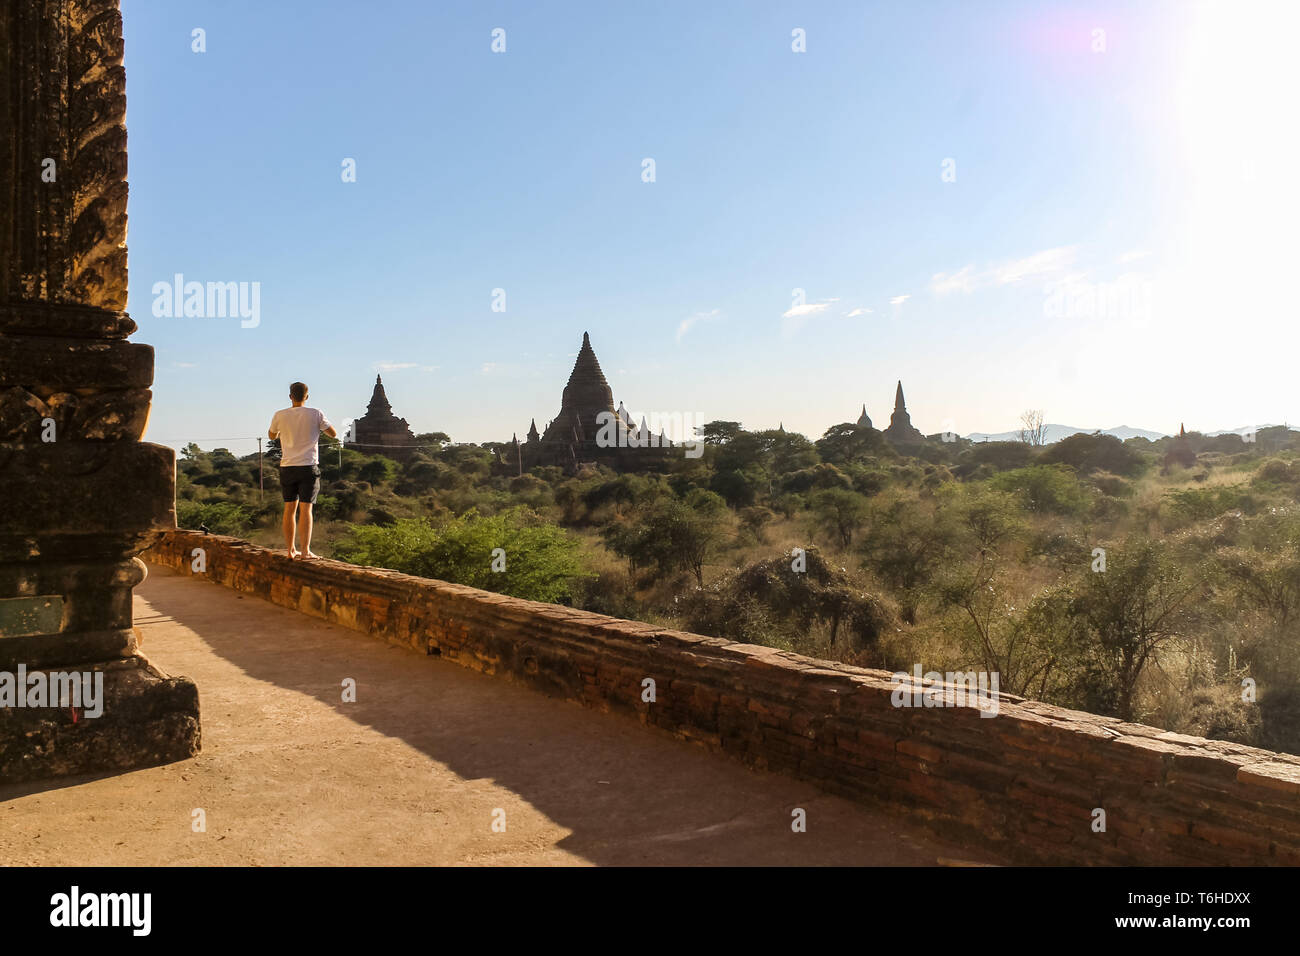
pixel 585 397
pixel 586 369
pixel 532 431
pixel 1181 432
pixel 379 406
pixel 900 423
pixel 864 420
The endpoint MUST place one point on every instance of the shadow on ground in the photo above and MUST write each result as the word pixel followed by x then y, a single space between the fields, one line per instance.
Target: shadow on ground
pixel 430 755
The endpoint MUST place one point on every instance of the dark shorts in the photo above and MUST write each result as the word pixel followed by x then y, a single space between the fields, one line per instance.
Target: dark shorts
pixel 300 482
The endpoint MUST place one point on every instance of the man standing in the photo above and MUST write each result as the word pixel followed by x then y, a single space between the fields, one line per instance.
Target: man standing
pixel 299 429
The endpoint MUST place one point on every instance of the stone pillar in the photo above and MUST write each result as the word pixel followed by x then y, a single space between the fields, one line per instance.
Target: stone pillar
pixel 80 494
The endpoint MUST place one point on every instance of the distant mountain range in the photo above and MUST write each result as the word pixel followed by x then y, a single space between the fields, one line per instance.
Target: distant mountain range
pixel 1054 433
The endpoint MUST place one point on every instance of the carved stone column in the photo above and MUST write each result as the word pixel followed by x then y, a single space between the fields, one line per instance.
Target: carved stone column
pixel 80 494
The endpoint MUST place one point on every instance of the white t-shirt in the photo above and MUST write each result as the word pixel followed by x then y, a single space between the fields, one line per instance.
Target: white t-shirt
pixel 298 429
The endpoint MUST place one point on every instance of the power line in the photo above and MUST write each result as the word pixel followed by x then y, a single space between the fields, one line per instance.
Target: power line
pixel 359 444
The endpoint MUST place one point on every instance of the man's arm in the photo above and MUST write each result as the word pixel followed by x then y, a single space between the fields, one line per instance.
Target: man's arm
pixel 326 428
pixel 273 432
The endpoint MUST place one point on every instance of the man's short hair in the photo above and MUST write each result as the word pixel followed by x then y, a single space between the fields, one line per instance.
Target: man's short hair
pixel 297 392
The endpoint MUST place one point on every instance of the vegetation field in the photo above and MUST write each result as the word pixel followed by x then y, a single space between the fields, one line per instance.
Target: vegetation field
pixel 1153 581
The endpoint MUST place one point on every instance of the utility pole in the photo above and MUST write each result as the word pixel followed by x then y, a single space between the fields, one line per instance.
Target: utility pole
pixel 260 486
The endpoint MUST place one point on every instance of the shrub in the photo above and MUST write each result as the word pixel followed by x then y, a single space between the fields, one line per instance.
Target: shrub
pixel 814 478
pixel 1045 489
pixel 1112 485
pixel 755 520
pixel 540 562
pixel 1095 452
pixel 1189 505
pixel 220 517
pixel 769 602
pixel 1277 471
pixel 999 455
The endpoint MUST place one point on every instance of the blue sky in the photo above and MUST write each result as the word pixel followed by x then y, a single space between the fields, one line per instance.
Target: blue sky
pixel 1113 248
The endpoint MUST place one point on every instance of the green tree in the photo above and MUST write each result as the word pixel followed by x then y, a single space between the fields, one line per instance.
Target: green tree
pixel 1023 649
pixel 739 487
pixel 719 433
pixel 846 443
pixel 378 470
pixel 904 544
pixel 436 439
pixel 1096 452
pixel 1123 617
pixel 840 513
pixel 672 535
pixel 991 517
pixel 823 475
pixel 788 451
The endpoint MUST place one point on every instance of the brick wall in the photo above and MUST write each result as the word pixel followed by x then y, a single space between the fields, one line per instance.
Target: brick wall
pixel 1024 783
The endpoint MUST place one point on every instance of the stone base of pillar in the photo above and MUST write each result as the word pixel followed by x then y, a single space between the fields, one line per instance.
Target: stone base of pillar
pixel 147 719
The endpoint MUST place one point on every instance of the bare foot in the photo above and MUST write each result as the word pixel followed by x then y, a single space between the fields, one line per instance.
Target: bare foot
pixel 294 553
pixel 310 555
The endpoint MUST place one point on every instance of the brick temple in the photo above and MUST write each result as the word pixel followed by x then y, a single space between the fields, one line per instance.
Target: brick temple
pixel 901 431
pixel 574 437
pixel 379 431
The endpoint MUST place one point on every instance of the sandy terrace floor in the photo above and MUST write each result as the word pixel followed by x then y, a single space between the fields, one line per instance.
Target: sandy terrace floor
pixel 415 771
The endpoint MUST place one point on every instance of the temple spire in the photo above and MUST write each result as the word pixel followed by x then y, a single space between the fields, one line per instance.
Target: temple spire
pixel 379 405
pixel 379 429
pixel 900 423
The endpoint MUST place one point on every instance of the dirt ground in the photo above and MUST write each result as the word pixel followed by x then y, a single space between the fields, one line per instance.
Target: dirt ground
pixel 416 771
